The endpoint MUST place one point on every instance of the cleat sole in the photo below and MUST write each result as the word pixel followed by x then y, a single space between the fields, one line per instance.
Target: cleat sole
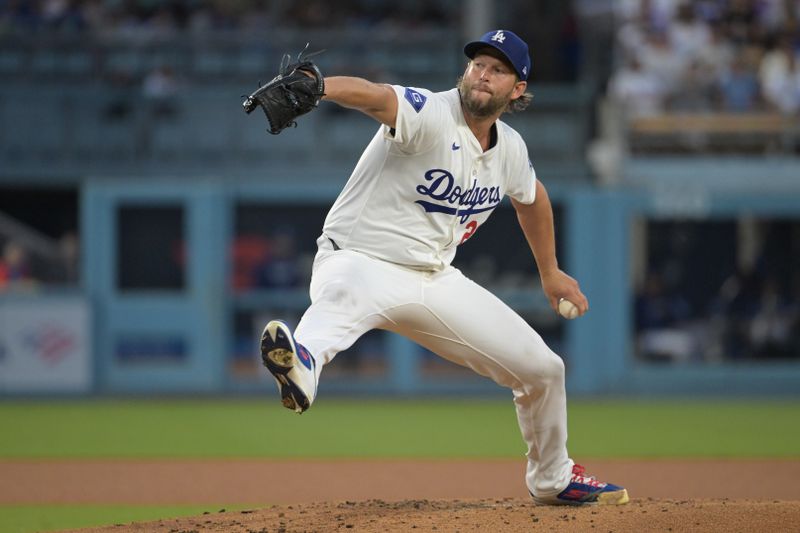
pixel 281 357
pixel 619 497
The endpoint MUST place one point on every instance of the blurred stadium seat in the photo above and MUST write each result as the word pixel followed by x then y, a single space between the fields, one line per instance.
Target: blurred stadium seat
pixel 33 127
pixel 721 132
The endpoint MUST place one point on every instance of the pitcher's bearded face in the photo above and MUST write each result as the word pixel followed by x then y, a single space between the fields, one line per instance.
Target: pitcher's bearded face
pixel 487 85
pixel 480 100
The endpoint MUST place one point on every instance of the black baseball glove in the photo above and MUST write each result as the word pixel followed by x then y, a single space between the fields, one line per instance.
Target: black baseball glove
pixel 296 90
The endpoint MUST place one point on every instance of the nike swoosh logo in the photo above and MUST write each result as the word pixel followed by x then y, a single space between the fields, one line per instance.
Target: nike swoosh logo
pixel 455 147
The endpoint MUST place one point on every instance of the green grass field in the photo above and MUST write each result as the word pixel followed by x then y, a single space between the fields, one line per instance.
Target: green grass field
pixel 452 428
pixel 30 518
pixel 380 428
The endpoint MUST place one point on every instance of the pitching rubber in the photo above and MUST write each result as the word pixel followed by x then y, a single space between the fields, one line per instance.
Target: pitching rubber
pixel 618 497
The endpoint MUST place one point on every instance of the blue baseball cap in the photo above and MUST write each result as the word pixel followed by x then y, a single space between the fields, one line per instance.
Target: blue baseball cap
pixel 511 46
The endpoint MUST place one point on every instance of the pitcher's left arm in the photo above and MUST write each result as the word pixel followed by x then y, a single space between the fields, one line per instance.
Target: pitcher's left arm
pixel 536 221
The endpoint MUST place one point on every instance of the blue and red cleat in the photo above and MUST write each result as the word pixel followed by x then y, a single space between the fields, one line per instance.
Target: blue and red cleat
pixel 586 490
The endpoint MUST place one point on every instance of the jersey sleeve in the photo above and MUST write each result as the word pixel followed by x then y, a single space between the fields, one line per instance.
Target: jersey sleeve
pixel 419 120
pixel 521 174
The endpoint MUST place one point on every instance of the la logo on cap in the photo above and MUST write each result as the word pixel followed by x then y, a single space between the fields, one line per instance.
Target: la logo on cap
pixel 499 36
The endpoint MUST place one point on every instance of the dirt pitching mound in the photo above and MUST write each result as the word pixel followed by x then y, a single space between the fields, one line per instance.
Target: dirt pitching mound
pixel 495 515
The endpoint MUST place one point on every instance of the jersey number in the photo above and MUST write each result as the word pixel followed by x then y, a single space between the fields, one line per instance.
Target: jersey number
pixel 472 227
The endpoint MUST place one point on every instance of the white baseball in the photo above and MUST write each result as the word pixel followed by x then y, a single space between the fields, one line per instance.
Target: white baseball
pixel 567 309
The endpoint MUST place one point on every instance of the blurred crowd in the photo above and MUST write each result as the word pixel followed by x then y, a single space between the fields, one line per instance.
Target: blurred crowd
pixel 702 55
pixel 23 269
pixel 698 305
pixel 152 18
pixel 269 261
pixel 751 317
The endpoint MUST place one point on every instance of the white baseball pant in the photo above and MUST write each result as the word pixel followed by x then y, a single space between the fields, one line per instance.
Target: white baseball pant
pixel 455 318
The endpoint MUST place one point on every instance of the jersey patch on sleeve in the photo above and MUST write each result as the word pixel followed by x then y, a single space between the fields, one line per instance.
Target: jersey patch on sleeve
pixel 417 100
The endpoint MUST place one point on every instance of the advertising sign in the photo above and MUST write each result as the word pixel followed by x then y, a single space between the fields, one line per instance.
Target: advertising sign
pixel 44 345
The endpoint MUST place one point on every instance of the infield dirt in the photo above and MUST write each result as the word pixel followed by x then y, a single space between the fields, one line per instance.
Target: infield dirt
pixel 404 495
pixel 512 515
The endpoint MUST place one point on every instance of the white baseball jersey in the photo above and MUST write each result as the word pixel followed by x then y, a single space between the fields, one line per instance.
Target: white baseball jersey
pixel 425 186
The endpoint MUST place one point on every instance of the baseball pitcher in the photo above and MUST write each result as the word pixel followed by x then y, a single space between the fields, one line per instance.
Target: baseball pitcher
pixel 434 172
